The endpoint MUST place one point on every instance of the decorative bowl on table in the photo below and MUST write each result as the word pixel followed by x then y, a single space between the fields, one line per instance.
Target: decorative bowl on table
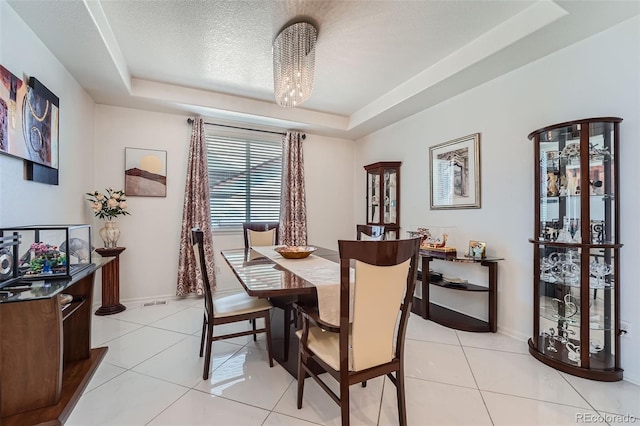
pixel 295 252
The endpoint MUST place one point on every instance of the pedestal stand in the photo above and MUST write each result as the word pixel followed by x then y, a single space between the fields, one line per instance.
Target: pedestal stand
pixel 111 282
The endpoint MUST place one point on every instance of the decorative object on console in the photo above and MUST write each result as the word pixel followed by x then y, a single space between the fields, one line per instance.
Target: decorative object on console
pixel 9 244
pixel 109 206
pixel 48 251
pixel 477 249
pixel 110 233
pixel 433 240
pixel 294 58
pixel 455 174
pixel 45 259
pixel 145 173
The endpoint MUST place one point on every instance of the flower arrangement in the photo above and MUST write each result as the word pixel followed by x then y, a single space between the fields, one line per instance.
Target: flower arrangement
pixel 108 205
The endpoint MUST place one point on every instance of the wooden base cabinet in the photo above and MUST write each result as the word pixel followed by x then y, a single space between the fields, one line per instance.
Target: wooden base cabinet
pixel 576 262
pixel 46 360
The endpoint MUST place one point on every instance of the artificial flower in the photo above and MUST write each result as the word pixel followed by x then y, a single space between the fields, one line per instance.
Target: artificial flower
pixel 109 205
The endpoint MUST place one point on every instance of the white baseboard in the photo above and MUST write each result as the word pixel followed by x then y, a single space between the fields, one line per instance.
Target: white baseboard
pixel 142 300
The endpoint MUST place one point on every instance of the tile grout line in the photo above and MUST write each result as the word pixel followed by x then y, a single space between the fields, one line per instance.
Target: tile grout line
pixel 581 396
pixel 475 380
pixel 384 382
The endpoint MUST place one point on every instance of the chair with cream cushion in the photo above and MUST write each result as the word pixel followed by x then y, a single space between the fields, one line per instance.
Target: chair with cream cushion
pixel 258 234
pixel 225 310
pixel 372 343
pixel 370 232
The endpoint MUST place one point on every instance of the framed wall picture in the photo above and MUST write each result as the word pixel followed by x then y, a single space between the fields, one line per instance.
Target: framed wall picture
pixel 29 119
pixel 455 174
pixel 145 173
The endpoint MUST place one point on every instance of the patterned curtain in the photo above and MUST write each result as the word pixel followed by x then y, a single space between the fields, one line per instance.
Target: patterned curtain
pixel 195 212
pixel 293 207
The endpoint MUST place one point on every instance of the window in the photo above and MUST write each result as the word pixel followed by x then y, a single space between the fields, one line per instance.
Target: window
pixel 244 177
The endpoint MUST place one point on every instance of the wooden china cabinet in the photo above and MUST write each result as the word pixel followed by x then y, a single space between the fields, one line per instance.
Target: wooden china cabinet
pixel 383 196
pixel 576 262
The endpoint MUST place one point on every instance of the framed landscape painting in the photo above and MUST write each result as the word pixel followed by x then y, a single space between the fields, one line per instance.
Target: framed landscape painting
pixel 145 173
pixel 455 173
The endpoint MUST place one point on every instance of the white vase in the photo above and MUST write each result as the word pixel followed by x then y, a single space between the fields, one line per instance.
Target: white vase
pixel 110 234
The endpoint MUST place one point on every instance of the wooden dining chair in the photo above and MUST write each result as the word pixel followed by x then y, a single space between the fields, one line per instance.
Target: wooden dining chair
pixel 372 344
pixel 370 232
pixel 225 310
pixel 258 234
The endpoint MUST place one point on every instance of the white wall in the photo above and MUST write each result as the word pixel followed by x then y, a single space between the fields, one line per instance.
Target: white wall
pixel 25 202
pixel 152 233
pixel 596 77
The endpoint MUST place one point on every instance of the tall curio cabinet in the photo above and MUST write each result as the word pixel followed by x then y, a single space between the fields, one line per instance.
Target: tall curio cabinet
pixel 576 262
pixel 383 196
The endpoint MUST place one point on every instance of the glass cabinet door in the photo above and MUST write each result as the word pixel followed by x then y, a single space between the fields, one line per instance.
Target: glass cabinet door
pixel 602 314
pixel 559 307
pixel 390 196
pixel 601 184
pixel 373 196
pixel 560 185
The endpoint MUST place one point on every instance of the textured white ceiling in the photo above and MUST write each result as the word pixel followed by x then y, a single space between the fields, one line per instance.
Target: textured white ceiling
pixel 364 49
pixel 376 61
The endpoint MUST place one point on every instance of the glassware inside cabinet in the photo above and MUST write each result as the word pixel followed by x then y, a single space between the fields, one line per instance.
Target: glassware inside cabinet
pixel 559 293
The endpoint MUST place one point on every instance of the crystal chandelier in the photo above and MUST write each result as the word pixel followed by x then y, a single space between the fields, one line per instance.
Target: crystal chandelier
pixel 294 57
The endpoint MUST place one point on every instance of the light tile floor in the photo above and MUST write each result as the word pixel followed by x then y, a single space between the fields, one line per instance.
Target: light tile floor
pixel 152 375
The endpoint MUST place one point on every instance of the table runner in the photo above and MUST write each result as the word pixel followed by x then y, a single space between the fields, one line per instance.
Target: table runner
pixel 322 273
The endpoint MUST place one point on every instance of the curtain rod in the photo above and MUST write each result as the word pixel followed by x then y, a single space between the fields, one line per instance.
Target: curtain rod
pixel 190 121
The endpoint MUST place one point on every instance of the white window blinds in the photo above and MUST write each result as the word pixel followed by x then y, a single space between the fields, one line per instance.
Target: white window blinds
pixel 244 177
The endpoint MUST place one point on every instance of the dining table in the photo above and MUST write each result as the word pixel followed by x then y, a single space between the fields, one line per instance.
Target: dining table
pixel 261 275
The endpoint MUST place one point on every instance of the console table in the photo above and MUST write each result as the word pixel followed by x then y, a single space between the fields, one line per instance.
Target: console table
pixel 449 317
pixel 46 360
pixel 111 282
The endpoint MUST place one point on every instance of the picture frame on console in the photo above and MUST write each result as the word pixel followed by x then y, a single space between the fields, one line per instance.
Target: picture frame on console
pixel 455 173
pixel 477 249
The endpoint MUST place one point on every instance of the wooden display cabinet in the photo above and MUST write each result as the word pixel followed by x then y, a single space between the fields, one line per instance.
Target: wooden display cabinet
pixel 383 196
pixel 576 262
